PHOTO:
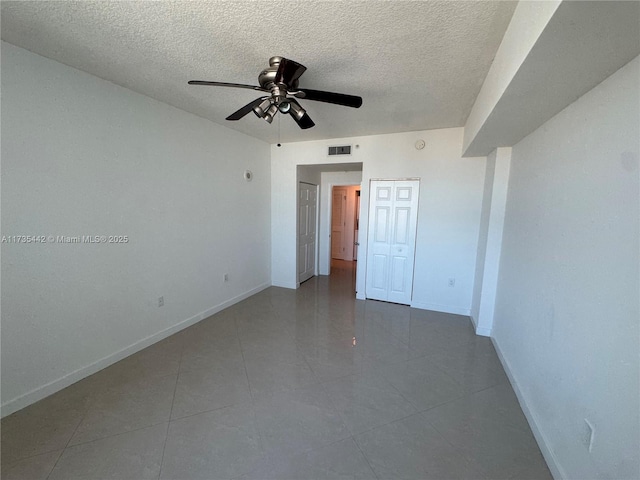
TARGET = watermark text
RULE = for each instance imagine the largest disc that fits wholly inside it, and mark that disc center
(65, 239)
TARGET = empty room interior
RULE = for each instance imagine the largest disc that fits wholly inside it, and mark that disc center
(320, 240)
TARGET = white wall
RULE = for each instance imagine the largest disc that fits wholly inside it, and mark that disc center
(490, 240)
(483, 233)
(309, 175)
(82, 156)
(567, 311)
(448, 217)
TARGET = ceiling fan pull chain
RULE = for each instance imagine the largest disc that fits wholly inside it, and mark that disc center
(279, 144)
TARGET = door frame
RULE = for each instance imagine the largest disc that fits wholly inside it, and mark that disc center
(330, 185)
(315, 266)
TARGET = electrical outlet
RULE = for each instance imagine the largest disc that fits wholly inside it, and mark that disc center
(588, 434)
(160, 301)
(225, 277)
(452, 282)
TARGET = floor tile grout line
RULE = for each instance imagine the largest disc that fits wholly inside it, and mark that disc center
(244, 362)
(177, 419)
(164, 447)
(246, 373)
(366, 459)
(434, 365)
(464, 395)
(20, 459)
(306, 362)
(455, 447)
(173, 401)
(446, 402)
(66, 445)
(116, 389)
(434, 406)
(469, 395)
(54, 465)
(460, 449)
(385, 424)
(310, 449)
(381, 325)
(400, 393)
(116, 434)
(451, 400)
(418, 410)
(333, 405)
(109, 435)
(305, 451)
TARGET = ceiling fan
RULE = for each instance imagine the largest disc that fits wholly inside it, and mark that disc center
(280, 80)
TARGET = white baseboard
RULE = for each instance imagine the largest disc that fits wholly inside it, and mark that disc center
(293, 285)
(547, 453)
(50, 388)
(483, 331)
(441, 308)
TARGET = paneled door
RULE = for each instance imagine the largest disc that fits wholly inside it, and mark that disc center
(393, 217)
(307, 214)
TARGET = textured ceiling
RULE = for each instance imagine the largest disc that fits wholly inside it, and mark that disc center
(417, 64)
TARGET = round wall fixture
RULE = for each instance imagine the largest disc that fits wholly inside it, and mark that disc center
(248, 175)
(420, 144)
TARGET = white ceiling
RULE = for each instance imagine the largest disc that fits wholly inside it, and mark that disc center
(417, 64)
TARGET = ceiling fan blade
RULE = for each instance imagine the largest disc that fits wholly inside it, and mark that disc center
(237, 115)
(223, 84)
(288, 71)
(303, 121)
(329, 97)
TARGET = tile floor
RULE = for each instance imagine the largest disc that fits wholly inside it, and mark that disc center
(306, 384)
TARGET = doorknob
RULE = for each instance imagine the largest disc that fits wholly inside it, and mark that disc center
(356, 243)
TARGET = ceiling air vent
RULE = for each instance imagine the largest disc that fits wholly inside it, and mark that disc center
(340, 150)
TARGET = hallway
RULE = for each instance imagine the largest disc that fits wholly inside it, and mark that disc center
(288, 384)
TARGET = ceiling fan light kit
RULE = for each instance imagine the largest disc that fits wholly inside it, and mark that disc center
(280, 80)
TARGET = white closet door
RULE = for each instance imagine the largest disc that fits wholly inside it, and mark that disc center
(393, 216)
(307, 211)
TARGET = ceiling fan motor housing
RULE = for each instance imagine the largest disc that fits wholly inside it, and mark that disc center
(267, 78)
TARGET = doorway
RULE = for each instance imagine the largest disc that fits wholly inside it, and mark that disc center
(344, 229)
(325, 176)
(344, 215)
